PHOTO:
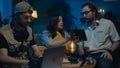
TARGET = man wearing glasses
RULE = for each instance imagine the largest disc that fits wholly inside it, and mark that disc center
(102, 37)
(16, 39)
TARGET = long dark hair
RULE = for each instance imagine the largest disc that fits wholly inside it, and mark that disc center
(93, 8)
(52, 25)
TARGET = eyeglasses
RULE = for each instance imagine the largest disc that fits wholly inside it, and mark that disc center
(85, 12)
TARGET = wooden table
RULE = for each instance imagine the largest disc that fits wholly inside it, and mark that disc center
(69, 65)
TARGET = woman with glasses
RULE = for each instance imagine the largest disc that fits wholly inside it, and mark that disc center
(102, 37)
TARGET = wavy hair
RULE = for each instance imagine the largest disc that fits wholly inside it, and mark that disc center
(93, 8)
(52, 25)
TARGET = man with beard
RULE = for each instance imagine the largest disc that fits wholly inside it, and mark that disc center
(16, 39)
(102, 37)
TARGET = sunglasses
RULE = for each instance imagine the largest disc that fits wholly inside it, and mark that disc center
(85, 12)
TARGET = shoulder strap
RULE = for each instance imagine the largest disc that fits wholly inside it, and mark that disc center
(30, 37)
(7, 32)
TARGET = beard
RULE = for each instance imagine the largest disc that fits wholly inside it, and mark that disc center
(23, 24)
(86, 20)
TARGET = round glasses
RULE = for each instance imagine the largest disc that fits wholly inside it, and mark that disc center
(85, 12)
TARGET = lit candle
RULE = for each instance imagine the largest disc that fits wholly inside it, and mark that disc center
(72, 47)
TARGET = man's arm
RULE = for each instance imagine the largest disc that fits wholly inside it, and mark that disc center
(114, 37)
(4, 57)
(112, 49)
(80, 48)
(115, 46)
(7, 59)
(37, 52)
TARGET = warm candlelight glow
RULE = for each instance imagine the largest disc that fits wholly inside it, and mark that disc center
(102, 11)
(72, 47)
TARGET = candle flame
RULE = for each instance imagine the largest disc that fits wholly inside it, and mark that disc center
(72, 47)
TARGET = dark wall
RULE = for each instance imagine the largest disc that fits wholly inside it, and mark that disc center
(113, 6)
(70, 9)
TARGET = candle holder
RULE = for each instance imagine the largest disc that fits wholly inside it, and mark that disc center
(76, 35)
(73, 59)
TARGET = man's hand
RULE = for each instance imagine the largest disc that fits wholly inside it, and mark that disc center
(107, 54)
